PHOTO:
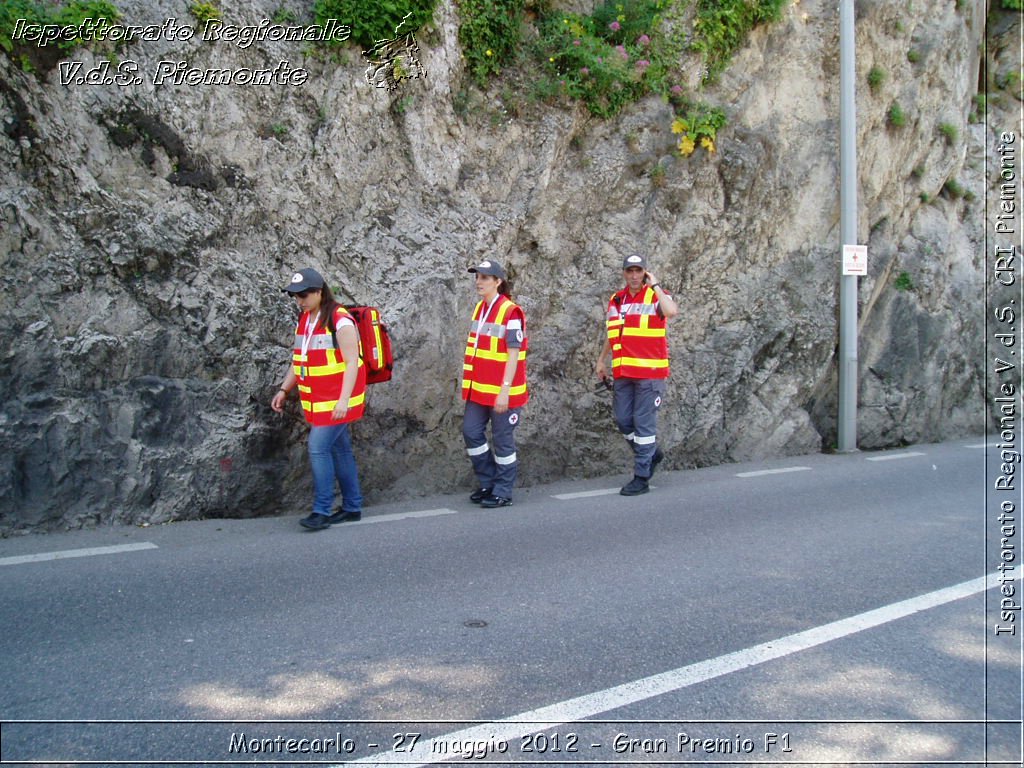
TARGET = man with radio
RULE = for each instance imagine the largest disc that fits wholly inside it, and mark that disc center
(636, 322)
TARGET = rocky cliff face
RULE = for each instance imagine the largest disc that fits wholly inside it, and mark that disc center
(146, 230)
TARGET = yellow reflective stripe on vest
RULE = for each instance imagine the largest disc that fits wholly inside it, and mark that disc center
(490, 389)
(653, 333)
(500, 357)
(325, 406)
(320, 370)
(640, 362)
(481, 351)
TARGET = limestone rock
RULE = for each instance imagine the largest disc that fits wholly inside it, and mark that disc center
(146, 231)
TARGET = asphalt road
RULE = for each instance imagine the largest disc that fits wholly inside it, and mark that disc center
(827, 609)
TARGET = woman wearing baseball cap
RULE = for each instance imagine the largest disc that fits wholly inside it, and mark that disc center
(494, 385)
(331, 380)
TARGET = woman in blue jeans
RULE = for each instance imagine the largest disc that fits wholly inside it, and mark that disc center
(331, 380)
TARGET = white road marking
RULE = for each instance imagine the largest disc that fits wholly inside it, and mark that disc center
(402, 516)
(584, 494)
(981, 445)
(894, 456)
(781, 471)
(591, 704)
(69, 553)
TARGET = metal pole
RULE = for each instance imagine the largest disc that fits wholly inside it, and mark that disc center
(848, 230)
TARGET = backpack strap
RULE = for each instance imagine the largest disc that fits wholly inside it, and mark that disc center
(329, 322)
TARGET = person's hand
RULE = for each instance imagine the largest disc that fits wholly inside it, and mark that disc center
(278, 400)
(340, 411)
(501, 402)
(601, 369)
(649, 278)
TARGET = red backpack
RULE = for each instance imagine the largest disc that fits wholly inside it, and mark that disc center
(374, 342)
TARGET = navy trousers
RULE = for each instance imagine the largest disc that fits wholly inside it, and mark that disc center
(494, 467)
(635, 403)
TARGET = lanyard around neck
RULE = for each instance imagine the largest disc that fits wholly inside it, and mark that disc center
(483, 319)
(307, 337)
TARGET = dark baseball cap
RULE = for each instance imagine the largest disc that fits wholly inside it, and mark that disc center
(489, 267)
(304, 280)
(634, 260)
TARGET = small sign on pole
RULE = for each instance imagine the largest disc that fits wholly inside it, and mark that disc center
(855, 260)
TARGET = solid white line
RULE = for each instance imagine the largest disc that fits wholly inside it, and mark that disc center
(585, 494)
(893, 456)
(591, 704)
(67, 553)
(981, 445)
(402, 516)
(781, 471)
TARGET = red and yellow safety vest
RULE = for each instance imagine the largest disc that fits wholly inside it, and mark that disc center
(487, 354)
(636, 332)
(321, 372)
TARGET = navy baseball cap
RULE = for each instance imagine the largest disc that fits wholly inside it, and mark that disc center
(304, 280)
(489, 267)
(636, 260)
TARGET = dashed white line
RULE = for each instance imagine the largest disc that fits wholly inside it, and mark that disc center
(403, 516)
(69, 553)
(780, 471)
(895, 456)
(584, 494)
(591, 704)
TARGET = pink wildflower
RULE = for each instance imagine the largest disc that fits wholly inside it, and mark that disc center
(576, 42)
(615, 26)
(622, 51)
(584, 71)
(644, 40)
(676, 90)
(643, 64)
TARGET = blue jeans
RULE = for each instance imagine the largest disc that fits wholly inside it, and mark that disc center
(330, 456)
